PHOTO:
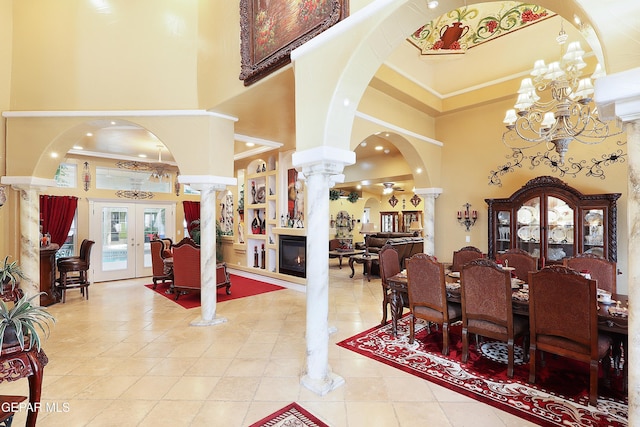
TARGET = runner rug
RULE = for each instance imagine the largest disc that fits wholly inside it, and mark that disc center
(558, 398)
(240, 287)
(292, 415)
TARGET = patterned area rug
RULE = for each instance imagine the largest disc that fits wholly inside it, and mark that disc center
(292, 415)
(240, 287)
(559, 397)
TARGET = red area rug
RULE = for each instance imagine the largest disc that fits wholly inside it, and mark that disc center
(291, 415)
(240, 287)
(558, 398)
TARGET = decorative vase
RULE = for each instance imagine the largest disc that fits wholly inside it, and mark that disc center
(452, 33)
(255, 257)
(10, 337)
(263, 257)
(256, 224)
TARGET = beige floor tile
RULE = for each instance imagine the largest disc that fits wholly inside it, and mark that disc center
(241, 367)
(218, 413)
(364, 414)
(191, 388)
(110, 387)
(123, 412)
(235, 388)
(150, 388)
(172, 413)
(278, 388)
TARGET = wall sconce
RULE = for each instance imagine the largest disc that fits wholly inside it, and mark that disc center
(467, 218)
(86, 176)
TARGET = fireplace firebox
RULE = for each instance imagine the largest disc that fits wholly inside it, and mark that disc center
(293, 255)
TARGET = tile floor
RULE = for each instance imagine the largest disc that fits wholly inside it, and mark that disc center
(127, 357)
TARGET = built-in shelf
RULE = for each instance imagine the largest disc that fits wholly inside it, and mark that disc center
(290, 231)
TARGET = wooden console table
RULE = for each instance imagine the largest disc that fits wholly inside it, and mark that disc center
(367, 261)
(48, 275)
(16, 364)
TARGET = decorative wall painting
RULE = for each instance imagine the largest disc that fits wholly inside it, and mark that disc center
(271, 29)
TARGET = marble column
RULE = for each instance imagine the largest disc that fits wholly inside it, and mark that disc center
(29, 188)
(429, 195)
(318, 166)
(208, 186)
(618, 95)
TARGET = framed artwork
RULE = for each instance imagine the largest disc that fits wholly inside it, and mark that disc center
(271, 29)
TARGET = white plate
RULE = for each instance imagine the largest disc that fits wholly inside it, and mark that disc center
(569, 234)
(524, 233)
(454, 274)
(535, 233)
(552, 216)
(527, 214)
(558, 235)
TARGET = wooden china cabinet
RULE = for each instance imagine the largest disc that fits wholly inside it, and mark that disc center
(551, 220)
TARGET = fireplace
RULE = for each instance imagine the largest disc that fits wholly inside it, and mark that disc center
(293, 255)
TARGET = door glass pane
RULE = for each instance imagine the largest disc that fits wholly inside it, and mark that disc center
(114, 239)
(561, 233)
(528, 227)
(504, 231)
(594, 232)
(154, 227)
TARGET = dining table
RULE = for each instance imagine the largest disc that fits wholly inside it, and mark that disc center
(612, 316)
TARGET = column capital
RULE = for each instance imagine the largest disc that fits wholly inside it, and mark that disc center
(27, 182)
(618, 95)
(200, 182)
(323, 160)
(426, 192)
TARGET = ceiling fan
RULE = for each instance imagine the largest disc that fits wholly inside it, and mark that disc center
(389, 187)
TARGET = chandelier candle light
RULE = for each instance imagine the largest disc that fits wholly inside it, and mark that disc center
(563, 116)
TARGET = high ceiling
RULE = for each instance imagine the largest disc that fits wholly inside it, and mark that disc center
(499, 59)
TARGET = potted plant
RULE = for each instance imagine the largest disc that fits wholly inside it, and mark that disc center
(22, 320)
(10, 275)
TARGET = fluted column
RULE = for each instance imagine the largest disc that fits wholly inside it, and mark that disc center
(618, 95)
(29, 188)
(208, 186)
(318, 166)
(428, 218)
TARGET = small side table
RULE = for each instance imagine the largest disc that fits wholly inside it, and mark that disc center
(367, 261)
(15, 364)
(340, 254)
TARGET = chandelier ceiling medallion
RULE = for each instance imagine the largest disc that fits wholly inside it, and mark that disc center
(554, 107)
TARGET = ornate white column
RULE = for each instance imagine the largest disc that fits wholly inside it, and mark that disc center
(207, 185)
(29, 188)
(429, 195)
(319, 165)
(619, 95)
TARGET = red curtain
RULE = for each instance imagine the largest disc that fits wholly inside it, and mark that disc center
(191, 212)
(56, 213)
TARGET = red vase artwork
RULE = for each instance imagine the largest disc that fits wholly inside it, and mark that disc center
(452, 33)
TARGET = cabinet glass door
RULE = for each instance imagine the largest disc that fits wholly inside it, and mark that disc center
(560, 229)
(528, 227)
(593, 231)
(503, 239)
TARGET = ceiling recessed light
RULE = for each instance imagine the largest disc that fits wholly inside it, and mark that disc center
(577, 20)
(365, 182)
(359, 187)
(89, 134)
(386, 151)
(432, 4)
(77, 147)
(363, 144)
(379, 147)
(113, 123)
(419, 170)
(250, 144)
(144, 156)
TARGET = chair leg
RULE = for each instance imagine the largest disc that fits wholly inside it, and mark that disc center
(412, 328)
(593, 383)
(385, 305)
(532, 364)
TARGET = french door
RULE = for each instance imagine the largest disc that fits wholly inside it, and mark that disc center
(122, 231)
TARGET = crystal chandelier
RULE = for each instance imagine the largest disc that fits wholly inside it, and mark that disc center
(564, 113)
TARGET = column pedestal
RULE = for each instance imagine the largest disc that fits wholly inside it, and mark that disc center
(429, 195)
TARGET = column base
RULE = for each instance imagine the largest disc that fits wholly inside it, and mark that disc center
(201, 322)
(322, 386)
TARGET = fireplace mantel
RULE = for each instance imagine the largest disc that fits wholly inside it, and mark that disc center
(290, 231)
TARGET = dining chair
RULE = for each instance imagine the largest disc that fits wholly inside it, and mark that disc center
(563, 313)
(428, 296)
(519, 259)
(600, 269)
(389, 266)
(464, 255)
(487, 308)
(158, 250)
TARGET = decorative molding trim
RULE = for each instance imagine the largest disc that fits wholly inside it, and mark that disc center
(398, 129)
(117, 113)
